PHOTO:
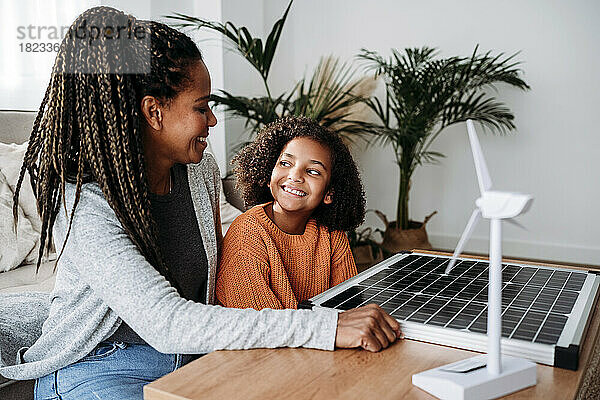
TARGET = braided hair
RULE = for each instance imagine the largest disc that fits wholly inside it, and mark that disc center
(255, 162)
(89, 125)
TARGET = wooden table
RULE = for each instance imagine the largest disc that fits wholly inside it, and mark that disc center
(348, 374)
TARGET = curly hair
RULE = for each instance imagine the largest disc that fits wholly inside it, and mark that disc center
(255, 162)
(89, 125)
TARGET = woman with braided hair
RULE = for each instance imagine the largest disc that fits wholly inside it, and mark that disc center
(117, 163)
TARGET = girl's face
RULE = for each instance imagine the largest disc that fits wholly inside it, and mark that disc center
(184, 122)
(300, 179)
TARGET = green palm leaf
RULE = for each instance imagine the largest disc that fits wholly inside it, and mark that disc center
(250, 47)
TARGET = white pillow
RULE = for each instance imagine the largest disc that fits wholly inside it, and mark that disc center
(11, 159)
(15, 246)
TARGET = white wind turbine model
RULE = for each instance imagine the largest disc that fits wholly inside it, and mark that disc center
(467, 379)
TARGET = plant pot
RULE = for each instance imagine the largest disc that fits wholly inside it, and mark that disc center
(396, 240)
(365, 257)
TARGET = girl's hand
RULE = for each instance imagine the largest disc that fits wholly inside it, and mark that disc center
(368, 327)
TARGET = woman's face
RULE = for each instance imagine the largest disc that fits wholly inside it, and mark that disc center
(184, 121)
(300, 179)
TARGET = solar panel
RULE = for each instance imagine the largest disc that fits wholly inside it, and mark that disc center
(545, 310)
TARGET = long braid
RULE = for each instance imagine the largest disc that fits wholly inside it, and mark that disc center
(88, 128)
(126, 176)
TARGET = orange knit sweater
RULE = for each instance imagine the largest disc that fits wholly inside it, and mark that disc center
(264, 267)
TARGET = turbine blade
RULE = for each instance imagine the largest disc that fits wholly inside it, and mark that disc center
(517, 224)
(483, 176)
(464, 238)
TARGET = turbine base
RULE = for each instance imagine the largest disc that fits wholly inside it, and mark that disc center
(517, 374)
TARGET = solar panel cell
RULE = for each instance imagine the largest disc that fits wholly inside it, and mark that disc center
(509, 272)
(540, 277)
(480, 324)
(575, 281)
(565, 302)
(510, 320)
(466, 316)
(447, 312)
(524, 275)
(551, 329)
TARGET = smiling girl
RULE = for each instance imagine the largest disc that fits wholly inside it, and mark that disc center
(290, 246)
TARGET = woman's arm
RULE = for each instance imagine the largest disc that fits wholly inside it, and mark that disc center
(111, 265)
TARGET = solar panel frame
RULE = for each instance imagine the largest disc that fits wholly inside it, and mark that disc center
(452, 310)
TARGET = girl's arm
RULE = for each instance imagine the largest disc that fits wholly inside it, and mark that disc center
(342, 261)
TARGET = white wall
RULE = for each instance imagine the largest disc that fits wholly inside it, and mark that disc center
(553, 154)
(240, 78)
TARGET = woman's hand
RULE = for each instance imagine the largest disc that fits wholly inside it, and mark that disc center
(368, 327)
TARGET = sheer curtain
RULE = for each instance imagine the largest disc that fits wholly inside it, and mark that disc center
(30, 32)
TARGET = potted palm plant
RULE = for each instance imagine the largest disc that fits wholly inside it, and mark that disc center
(424, 95)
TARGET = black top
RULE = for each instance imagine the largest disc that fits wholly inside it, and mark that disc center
(180, 243)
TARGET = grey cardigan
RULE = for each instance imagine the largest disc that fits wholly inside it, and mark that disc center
(102, 280)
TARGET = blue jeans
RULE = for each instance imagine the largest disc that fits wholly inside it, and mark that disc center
(113, 370)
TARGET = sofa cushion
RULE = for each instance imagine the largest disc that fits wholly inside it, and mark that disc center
(24, 279)
(15, 126)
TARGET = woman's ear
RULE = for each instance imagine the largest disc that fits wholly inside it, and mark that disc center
(328, 199)
(152, 112)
